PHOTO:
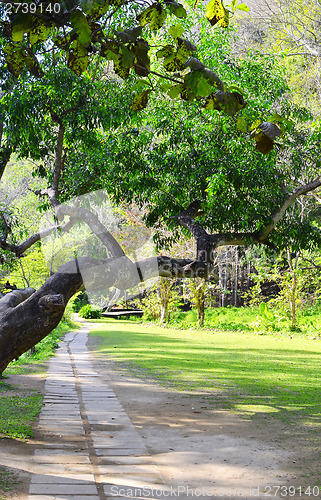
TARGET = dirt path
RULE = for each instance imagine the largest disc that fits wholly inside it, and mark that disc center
(200, 449)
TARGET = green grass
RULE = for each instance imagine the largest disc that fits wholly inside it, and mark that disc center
(247, 319)
(44, 350)
(253, 375)
(222, 318)
(243, 319)
(18, 411)
(8, 479)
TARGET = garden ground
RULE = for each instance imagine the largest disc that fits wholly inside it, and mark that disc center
(193, 441)
(205, 443)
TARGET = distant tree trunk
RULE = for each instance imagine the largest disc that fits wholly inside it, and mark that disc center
(199, 290)
(242, 285)
(248, 276)
(236, 277)
(225, 284)
(293, 288)
(200, 304)
(220, 284)
(165, 288)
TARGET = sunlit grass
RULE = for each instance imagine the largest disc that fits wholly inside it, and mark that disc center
(251, 374)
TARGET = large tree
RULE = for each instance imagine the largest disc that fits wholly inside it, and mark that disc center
(188, 158)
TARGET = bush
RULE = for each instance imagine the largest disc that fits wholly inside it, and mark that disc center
(78, 301)
(89, 312)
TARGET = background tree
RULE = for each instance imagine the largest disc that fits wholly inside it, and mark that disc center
(292, 30)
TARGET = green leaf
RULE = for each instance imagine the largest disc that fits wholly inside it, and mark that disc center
(263, 308)
(120, 69)
(129, 35)
(140, 50)
(242, 6)
(216, 13)
(241, 124)
(110, 50)
(127, 57)
(229, 102)
(78, 58)
(154, 15)
(166, 51)
(80, 24)
(197, 83)
(39, 31)
(174, 91)
(97, 10)
(180, 12)
(262, 143)
(176, 9)
(176, 31)
(186, 45)
(276, 118)
(140, 84)
(33, 64)
(15, 58)
(174, 60)
(21, 24)
(140, 101)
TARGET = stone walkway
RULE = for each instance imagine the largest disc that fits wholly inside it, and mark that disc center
(91, 450)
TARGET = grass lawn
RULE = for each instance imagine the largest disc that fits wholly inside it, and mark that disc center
(253, 375)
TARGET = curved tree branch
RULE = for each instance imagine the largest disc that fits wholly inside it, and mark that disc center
(82, 214)
(18, 250)
(277, 216)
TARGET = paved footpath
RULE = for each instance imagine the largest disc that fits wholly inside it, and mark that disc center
(90, 450)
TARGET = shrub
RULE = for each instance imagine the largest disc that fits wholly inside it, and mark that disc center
(78, 301)
(89, 312)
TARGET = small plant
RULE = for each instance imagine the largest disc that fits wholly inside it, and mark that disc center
(150, 306)
(266, 319)
(89, 312)
(162, 300)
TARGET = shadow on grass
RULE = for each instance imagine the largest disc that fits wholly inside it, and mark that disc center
(256, 376)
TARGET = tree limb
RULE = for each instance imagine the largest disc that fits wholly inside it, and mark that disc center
(82, 214)
(58, 166)
(288, 201)
(18, 250)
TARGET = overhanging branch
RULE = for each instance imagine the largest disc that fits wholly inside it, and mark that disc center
(277, 216)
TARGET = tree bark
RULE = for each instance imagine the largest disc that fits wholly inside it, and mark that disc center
(24, 325)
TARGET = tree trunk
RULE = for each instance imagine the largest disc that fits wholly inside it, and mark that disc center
(201, 311)
(164, 311)
(236, 277)
(23, 326)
